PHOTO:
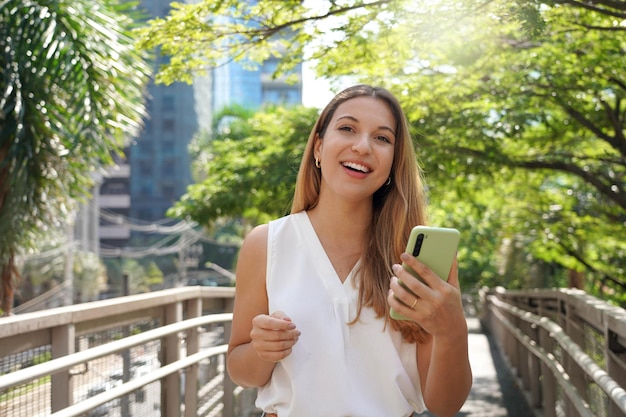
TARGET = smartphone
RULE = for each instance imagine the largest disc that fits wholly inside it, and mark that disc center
(435, 247)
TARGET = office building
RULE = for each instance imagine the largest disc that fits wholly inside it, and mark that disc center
(158, 169)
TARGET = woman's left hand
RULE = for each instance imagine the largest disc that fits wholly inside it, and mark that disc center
(438, 303)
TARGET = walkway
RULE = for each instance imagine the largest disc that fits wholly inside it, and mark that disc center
(494, 391)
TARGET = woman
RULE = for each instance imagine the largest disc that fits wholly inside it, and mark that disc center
(311, 325)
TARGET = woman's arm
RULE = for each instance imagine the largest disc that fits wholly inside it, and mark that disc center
(443, 360)
(257, 339)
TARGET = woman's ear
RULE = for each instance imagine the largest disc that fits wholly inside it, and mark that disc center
(317, 148)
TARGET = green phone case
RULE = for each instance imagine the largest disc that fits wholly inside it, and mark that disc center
(437, 251)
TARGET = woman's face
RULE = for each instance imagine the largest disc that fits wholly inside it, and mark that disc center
(356, 152)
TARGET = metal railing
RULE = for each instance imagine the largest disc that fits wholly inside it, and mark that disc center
(161, 353)
(567, 348)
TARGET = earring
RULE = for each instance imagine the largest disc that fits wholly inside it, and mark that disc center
(388, 183)
(317, 163)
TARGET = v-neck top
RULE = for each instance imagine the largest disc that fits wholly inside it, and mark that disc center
(336, 369)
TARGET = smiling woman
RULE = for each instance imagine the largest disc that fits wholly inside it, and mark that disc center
(314, 288)
(358, 144)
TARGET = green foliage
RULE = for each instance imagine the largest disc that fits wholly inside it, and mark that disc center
(142, 276)
(46, 266)
(89, 276)
(137, 282)
(550, 109)
(71, 91)
(250, 175)
(42, 358)
(518, 109)
(154, 276)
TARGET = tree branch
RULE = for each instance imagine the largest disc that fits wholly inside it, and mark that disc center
(590, 267)
(618, 126)
(592, 178)
(272, 30)
(619, 82)
(614, 141)
(604, 28)
(618, 6)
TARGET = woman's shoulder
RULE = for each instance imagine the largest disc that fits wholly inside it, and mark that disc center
(257, 236)
(251, 259)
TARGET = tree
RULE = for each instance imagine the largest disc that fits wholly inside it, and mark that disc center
(203, 35)
(548, 106)
(90, 276)
(519, 100)
(45, 267)
(143, 276)
(249, 169)
(71, 92)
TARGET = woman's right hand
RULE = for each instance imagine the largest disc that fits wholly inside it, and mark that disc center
(273, 336)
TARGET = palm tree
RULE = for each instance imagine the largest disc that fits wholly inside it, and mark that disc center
(71, 94)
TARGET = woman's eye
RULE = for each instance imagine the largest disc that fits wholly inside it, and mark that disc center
(346, 128)
(384, 139)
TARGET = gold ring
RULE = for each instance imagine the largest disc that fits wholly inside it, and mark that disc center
(413, 305)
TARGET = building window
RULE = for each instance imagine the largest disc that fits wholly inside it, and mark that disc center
(168, 147)
(146, 190)
(169, 103)
(145, 214)
(114, 188)
(269, 66)
(145, 146)
(169, 125)
(145, 168)
(169, 168)
(168, 191)
(147, 126)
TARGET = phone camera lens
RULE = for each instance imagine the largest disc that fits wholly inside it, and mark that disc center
(418, 244)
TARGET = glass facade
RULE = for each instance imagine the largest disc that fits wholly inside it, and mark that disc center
(159, 161)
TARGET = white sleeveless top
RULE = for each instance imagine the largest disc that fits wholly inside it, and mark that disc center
(335, 369)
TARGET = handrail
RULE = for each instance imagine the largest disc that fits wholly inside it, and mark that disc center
(130, 386)
(599, 375)
(91, 347)
(565, 346)
(66, 362)
(16, 324)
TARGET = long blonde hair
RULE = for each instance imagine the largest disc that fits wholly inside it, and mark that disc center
(397, 207)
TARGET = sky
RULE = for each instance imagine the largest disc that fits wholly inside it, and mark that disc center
(316, 92)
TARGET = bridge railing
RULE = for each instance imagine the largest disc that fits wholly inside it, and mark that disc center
(161, 353)
(567, 348)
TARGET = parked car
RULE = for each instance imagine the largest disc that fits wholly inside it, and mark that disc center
(103, 409)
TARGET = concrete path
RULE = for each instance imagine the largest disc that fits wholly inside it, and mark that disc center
(495, 392)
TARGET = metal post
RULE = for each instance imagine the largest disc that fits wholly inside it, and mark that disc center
(194, 309)
(68, 273)
(61, 382)
(229, 385)
(171, 385)
(125, 400)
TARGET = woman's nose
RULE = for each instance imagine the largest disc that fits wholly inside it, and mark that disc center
(362, 144)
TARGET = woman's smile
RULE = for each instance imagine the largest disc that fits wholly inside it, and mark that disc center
(356, 170)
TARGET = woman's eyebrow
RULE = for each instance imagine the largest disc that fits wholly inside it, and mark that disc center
(347, 116)
(357, 120)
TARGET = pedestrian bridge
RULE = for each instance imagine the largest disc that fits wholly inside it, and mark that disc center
(533, 353)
